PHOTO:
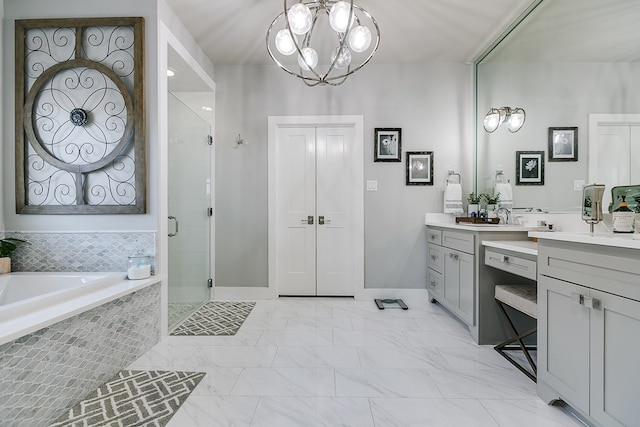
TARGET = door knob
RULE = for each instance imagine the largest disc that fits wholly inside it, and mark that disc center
(308, 221)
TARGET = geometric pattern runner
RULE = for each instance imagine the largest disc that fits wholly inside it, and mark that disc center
(133, 398)
(216, 318)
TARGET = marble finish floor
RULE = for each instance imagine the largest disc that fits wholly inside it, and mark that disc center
(340, 362)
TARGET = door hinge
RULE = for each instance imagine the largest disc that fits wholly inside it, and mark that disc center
(210, 283)
(209, 139)
(209, 211)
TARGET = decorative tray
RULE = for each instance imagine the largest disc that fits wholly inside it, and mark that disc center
(476, 220)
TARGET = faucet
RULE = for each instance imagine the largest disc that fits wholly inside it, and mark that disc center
(503, 214)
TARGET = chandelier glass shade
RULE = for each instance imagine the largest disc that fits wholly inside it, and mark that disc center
(513, 118)
(322, 42)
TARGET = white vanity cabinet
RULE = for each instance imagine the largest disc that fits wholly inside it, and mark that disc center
(451, 271)
(458, 279)
(589, 330)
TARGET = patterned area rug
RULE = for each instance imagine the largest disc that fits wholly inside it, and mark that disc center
(216, 318)
(133, 398)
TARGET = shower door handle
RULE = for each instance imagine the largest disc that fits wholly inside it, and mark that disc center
(177, 224)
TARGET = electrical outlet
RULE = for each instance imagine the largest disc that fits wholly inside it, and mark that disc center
(372, 185)
(578, 184)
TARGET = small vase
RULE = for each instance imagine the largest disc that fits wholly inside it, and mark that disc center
(473, 208)
(491, 211)
(5, 265)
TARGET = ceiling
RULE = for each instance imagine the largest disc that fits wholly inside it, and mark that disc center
(412, 31)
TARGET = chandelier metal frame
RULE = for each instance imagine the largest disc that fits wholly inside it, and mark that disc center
(333, 76)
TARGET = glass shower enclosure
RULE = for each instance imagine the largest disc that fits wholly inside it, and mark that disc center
(190, 200)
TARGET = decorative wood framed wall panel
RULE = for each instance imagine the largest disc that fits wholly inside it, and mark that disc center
(80, 116)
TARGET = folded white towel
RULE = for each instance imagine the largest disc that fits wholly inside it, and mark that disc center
(453, 198)
(505, 191)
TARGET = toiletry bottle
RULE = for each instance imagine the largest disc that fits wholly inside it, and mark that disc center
(623, 218)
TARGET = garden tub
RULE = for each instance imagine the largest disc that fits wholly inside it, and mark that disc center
(31, 301)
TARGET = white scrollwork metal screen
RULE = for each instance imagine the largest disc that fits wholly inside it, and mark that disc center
(80, 116)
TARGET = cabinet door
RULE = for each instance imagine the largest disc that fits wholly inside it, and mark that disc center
(458, 283)
(615, 377)
(451, 289)
(563, 340)
(466, 303)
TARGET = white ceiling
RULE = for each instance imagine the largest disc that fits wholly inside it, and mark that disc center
(412, 31)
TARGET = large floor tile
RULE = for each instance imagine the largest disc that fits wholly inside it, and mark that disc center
(528, 413)
(312, 412)
(316, 357)
(385, 383)
(296, 337)
(215, 411)
(401, 357)
(484, 383)
(430, 413)
(233, 356)
(289, 382)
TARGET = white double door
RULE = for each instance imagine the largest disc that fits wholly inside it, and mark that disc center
(315, 212)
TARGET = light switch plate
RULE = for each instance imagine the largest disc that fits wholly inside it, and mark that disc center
(372, 185)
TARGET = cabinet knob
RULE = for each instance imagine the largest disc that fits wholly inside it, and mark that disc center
(433, 257)
(577, 298)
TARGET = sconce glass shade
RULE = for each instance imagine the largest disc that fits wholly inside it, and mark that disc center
(514, 118)
(493, 119)
(310, 57)
(339, 16)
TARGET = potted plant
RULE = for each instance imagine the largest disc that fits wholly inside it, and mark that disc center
(491, 201)
(474, 203)
(7, 246)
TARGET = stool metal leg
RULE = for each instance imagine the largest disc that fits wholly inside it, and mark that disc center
(500, 348)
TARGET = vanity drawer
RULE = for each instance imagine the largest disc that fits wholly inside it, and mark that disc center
(434, 236)
(460, 241)
(513, 264)
(434, 283)
(434, 257)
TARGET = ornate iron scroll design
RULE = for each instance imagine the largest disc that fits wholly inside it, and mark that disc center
(80, 116)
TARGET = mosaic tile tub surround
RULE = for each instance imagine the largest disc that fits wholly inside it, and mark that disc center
(43, 373)
(80, 251)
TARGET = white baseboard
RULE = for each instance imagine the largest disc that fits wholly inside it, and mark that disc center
(243, 294)
(255, 293)
(383, 293)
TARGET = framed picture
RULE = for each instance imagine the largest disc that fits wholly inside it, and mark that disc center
(419, 167)
(563, 144)
(529, 167)
(387, 145)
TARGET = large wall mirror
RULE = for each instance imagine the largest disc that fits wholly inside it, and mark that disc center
(565, 60)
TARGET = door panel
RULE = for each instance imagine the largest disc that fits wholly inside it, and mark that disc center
(315, 257)
(335, 236)
(296, 203)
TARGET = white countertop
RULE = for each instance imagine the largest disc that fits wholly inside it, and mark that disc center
(479, 227)
(528, 247)
(630, 241)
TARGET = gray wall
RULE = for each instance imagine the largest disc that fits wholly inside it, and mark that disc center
(554, 94)
(432, 103)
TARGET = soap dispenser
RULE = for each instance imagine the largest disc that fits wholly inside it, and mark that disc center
(623, 218)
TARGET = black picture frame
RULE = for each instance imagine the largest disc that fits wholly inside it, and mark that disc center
(419, 168)
(563, 144)
(387, 145)
(529, 167)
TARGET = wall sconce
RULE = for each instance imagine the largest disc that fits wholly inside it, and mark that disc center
(514, 118)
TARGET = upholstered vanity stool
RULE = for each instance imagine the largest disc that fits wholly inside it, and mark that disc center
(524, 299)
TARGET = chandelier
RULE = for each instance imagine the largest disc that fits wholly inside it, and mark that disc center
(342, 40)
